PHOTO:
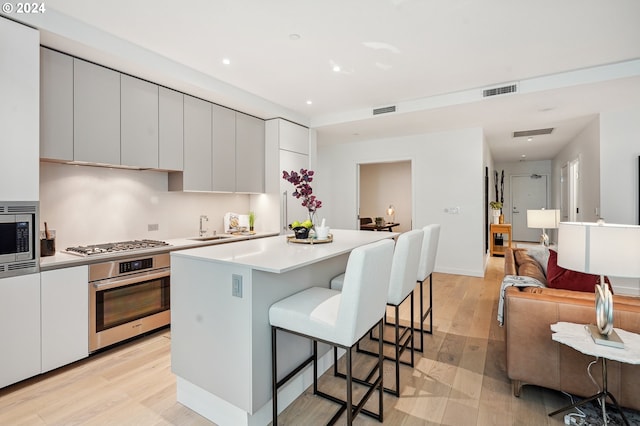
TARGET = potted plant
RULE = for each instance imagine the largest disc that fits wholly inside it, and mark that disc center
(252, 219)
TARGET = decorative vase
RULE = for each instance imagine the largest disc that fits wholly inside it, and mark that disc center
(312, 218)
(496, 216)
(501, 218)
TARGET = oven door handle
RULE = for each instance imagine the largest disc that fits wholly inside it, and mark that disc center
(138, 278)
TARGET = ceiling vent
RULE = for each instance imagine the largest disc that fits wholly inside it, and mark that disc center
(536, 132)
(384, 110)
(502, 90)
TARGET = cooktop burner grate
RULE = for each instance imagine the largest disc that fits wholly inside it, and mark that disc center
(115, 247)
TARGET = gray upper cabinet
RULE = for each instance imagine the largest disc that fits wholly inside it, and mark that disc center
(96, 112)
(171, 132)
(56, 105)
(197, 145)
(223, 166)
(250, 154)
(139, 121)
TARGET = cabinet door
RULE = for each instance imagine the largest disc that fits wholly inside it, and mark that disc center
(224, 149)
(170, 134)
(291, 207)
(249, 154)
(294, 137)
(19, 328)
(197, 145)
(139, 121)
(96, 113)
(19, 111)
(65, 316)
(56, 105)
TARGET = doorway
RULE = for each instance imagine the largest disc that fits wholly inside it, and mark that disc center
(528, 192)
(381, 185)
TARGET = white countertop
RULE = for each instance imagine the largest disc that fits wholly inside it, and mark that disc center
(66, 260)
(276, 254)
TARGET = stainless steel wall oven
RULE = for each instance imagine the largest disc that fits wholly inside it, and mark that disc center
(128, 298)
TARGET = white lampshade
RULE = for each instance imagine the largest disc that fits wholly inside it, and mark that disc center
(600, 248)
(543, 219)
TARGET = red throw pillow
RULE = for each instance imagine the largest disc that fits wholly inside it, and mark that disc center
(558, 277)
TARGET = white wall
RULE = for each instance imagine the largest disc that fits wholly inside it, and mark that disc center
(382, 184)
(619, 151)
(586, 147)
(447, 171)
(89, 205)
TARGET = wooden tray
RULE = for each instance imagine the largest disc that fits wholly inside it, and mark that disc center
(293, 239)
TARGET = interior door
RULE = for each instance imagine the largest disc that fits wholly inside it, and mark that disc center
(527, 193)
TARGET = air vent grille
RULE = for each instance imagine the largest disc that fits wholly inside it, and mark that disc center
(384, 110)
(503, 90)
(535, 132)
(21, 265)
(21, 209)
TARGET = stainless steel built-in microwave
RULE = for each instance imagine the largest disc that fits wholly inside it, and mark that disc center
(19, 242)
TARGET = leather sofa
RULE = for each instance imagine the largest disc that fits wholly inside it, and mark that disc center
(534, 358)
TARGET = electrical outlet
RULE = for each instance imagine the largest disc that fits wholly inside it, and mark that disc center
(152, 227)
(236, 285)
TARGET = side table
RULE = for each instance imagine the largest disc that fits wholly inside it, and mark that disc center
(501, 228)
(578, 337)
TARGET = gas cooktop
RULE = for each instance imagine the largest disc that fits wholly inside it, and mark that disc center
(115, 247)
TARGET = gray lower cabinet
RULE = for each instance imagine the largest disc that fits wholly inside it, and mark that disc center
(96, 112)
(65, 316)
(19, 328)
(223, 166)
(139, 123)
(197, 147)
(56, 105)
(171, 130)
(250, 154)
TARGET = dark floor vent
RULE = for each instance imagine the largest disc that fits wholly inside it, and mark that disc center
(535, 132)
(495, 91)
(384, 110)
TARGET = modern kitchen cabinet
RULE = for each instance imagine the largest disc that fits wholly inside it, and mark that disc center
(96, 113)
(65, 316)
(19, 328)
(197, 148)
(171, 129)
(139, 123)
(56, 105)
(250, 154)
(223, 143)
(293, 137)
(19, 111)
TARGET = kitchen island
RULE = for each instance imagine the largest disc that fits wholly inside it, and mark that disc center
(220, 333)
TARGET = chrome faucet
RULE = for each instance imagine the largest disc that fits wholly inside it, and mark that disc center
(203, 218)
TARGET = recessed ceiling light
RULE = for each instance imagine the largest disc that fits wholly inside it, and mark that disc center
(336, 68)
(294, 36)
(309, 102)
(226, 61)
(529, 139)
(524, 156)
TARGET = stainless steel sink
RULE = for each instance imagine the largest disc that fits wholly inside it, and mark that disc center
(211, 238)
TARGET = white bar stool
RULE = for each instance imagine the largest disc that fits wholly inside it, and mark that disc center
(339, 319)
(425, 270)
(404, 269)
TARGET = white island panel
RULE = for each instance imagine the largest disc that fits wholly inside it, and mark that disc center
(221, 344)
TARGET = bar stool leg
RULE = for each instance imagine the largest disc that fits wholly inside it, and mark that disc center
(274, 381)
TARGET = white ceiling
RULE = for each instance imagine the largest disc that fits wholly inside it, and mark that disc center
(430, 58)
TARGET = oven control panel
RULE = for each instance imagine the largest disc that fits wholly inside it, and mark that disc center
(136, 265)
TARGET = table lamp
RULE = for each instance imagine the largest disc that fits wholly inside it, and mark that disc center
(391, 212)
(601, 249)
(544, 219)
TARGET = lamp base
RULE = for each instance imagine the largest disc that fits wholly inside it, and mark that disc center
(612, 340)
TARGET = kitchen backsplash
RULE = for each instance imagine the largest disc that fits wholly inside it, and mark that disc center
(88, 205)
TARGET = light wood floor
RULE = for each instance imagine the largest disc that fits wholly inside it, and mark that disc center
(459, 380)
